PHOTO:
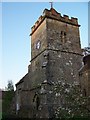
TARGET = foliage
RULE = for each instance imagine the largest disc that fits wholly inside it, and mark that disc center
(0, 109)
(72, 102)
(10, 86)
(7, 97)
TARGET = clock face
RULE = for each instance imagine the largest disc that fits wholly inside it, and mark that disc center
(38, 44)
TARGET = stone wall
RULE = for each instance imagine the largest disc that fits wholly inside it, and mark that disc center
(63, 36)
(64, 66)
(38, 36)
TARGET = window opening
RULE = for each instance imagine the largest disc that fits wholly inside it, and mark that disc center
(36, 99)
(63, 37)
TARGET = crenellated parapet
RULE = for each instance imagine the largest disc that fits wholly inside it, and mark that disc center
(53, 14)
(37, 23)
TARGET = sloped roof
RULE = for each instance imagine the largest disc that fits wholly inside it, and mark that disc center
(22, 80)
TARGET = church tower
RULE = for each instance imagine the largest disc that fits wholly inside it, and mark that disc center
(55, 56)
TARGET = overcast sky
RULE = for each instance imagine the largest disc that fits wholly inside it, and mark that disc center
(17, 20)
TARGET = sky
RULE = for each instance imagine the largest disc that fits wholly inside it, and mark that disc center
(89, 24)
(17, 20)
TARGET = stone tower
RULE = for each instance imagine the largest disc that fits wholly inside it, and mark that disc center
(56, 56)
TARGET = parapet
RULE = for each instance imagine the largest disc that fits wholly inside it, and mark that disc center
(53, 14)
(37, 23)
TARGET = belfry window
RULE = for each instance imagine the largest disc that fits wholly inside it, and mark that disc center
(63, 37)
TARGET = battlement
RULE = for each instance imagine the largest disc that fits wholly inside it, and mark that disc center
(53, 14)
(37, 23)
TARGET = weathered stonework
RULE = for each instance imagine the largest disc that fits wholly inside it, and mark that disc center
(56, 56)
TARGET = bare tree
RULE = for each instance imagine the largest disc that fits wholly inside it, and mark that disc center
(86, 51)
